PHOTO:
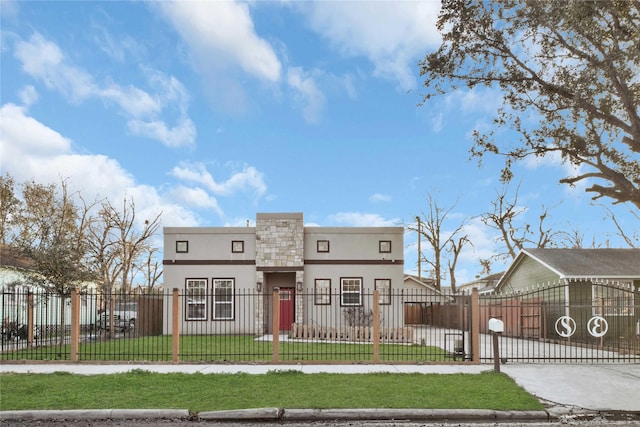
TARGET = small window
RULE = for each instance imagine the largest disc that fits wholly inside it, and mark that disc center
(182, 246)
(384, 246)
(323, 245)
(223, 303)
(611, 301)
(237, 246)
(351, 291)
(322, 292)
(383, 286)
(285, 295)
(196, 299)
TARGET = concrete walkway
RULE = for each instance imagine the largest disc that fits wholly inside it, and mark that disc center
(566, 390)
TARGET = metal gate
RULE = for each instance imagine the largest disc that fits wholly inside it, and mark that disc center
(580, 321)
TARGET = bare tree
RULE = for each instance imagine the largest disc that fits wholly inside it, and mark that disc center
(151, 269)
(8, 207)
(442, 244)
(455, 248)
(52, 230)
(514, 234)
(129, 242)
(630, 235)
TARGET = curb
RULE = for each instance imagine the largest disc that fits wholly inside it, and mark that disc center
(411, 414)
(280, 414)
(96, 414)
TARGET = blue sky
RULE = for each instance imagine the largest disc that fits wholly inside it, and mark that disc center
(212, 111)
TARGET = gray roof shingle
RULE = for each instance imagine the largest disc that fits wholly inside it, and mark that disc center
(590, 262)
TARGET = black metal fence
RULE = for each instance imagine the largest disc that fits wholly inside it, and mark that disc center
(214, 328)
(574, 322)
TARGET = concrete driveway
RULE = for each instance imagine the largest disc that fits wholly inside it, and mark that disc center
(601, 387)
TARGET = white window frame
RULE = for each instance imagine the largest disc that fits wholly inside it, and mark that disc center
(196, 299)
(348, 287)
(383, 286)
(229, 301)
(611, 302)
(322, 292)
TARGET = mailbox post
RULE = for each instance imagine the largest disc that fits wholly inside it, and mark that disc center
(496, 327)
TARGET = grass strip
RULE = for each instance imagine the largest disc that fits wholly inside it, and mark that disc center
(141, 389)
(227, 348)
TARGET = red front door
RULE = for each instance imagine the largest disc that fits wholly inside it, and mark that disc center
(287, 311)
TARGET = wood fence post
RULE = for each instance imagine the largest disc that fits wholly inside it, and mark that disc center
(30, 317)
(75, 325)
(376, 326)
(175, 325)
(275, 326)
(475, 326)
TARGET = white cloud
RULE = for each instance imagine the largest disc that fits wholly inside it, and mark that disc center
(196, 197)
(480, 99)
(358, 219)
(21, 133)
(555, 160)
(221, 34)
(44, 61)
(28, 95)
(185, 130)
(392, 35)
(249, 179)
(308, 93)
(33, 151)
(437, 122)
(377, 197)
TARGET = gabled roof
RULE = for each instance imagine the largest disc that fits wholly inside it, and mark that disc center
(605, 263)
(484, 284)
(429, 287)
(423, 281)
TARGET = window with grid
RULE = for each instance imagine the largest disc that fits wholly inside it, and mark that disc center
(196, 293)
(608, 301)
(351, 291)
(322, 292)
(383, 286)
(223, 303)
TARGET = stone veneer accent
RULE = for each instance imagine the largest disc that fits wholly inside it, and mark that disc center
(279, 245)
(280, 240)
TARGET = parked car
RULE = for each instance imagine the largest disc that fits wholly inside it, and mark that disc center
(124, 317)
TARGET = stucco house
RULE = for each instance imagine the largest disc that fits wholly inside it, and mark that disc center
(228, 274)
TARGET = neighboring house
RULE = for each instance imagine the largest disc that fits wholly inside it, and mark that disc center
(486, 284)
(15, 286)
(534, 267)
(421, 300)
(548, 286)
(226, 272)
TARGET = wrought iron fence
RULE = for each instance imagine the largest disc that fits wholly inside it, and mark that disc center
(573, 321)
(581, 322)
(249, 326)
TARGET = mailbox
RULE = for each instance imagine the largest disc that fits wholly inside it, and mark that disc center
(496, 325)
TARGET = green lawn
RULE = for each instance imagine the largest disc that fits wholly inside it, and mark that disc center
(232, 348)
(286, 389)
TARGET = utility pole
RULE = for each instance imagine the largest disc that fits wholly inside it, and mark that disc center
(419, 252)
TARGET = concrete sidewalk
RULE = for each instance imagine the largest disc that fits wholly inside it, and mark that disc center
(566, 390)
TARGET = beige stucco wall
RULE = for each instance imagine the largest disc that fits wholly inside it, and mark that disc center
(280, 249)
